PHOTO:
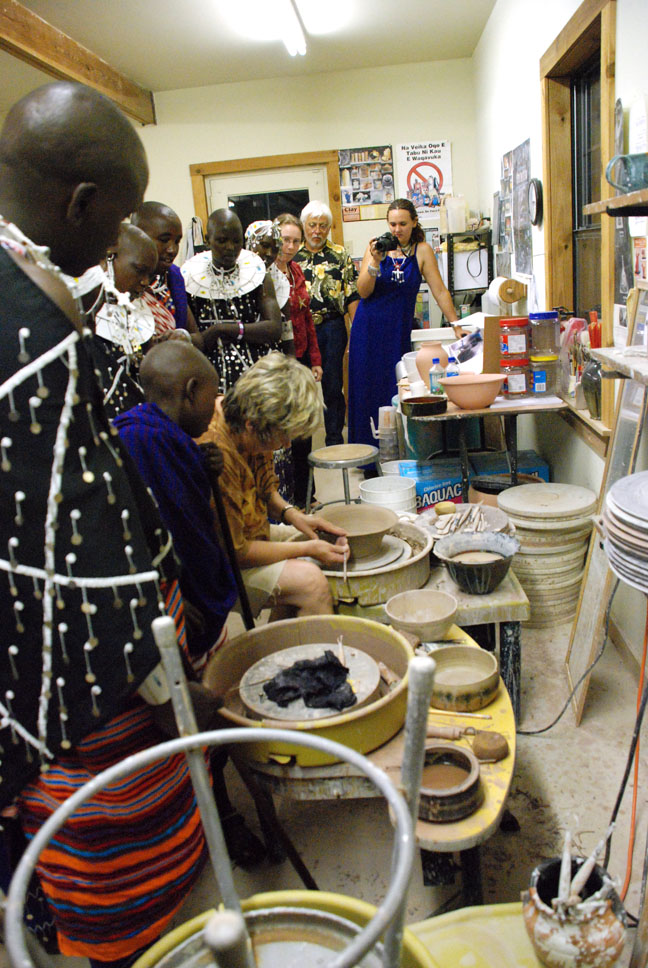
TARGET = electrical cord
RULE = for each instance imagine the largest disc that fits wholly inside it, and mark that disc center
(536, 732)
(635, 784)
(631, 754)
(478, 252)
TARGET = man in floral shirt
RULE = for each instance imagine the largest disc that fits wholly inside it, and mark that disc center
(331, 282)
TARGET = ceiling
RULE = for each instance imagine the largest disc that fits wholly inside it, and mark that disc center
(168, 44)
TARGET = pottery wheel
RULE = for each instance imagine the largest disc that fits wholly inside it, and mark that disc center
(364, 676)
(392, 549)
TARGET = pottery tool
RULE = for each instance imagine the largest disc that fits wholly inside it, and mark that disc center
(583, 873)
(340, 649)
(452, 712)
(448, 732)
(564, 880)
(388, 675)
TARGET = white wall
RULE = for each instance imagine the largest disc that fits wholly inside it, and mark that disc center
(345, 109)
(508, 110)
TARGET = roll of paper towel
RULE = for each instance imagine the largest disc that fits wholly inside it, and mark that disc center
(503, 290)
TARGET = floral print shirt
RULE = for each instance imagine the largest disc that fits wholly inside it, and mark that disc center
(330, 280)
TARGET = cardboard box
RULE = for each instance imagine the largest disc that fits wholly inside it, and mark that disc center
(489, 462)
(436, 480)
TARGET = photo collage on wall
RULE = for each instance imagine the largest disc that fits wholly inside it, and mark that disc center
(512, 233)
(366, 180)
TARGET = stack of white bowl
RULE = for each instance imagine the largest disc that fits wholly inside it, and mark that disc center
(390, 491)
(625, 518)
(553, 523)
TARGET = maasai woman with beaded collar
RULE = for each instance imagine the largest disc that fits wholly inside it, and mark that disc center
(233, 300)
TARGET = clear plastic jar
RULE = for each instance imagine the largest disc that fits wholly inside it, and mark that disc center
(514, 337)
(544, 375)
(545, 334)
(516, 375)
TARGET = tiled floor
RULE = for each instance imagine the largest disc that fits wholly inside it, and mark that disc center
(566, 777)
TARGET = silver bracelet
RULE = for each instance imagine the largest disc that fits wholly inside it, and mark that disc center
(184, 333)
(373, 271)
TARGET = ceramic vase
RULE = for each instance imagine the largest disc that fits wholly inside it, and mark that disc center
(584, 936)
(591, 383)
(426, 354)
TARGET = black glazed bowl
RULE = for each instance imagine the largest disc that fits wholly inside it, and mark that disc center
(477, 578)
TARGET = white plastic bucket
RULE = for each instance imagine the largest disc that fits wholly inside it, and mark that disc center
(397, 493)
(390, 467)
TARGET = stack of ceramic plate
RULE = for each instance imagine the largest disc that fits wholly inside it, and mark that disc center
(625, 518)
(553, 523)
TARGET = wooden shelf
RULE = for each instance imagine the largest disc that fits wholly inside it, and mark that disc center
(634, 203)
(631, 365)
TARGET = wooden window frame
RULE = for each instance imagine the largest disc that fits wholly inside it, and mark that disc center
(592, 28)
(328, 159)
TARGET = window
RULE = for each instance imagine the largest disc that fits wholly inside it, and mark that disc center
(586, 187)
(577, 74)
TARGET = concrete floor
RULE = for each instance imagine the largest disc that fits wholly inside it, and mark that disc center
(567, 777)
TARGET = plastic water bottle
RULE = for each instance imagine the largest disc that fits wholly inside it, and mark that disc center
(452, 369)
(436, 373)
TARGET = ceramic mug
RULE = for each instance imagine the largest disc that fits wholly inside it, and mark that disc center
(632, 172)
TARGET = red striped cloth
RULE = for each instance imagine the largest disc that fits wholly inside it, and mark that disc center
(124, 862)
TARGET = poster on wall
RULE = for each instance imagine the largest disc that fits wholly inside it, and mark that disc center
(505, 228)
(424, 173)
(366, 179)
(521, 175)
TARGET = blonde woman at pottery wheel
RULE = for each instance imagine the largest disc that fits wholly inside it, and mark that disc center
(271, 404)
(388, 283)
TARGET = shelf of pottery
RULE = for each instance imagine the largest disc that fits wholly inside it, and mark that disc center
(625, 514)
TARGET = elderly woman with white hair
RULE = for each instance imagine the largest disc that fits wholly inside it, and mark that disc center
(331, 282)
(272, 403)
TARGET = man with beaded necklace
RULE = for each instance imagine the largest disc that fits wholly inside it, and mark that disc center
(88, 564)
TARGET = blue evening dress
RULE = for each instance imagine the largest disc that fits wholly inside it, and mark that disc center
(380, 335)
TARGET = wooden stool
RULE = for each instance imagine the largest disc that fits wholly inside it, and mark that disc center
(341, 457)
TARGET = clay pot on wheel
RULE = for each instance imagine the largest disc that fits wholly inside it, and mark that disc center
(427, 353)
(585, 935)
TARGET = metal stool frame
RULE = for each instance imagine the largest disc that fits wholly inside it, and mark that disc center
(343, 464)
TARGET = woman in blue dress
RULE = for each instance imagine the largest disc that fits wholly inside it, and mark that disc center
(388, 284)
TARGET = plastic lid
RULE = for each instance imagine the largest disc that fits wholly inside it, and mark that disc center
(514, 321)
(549, 358)
(540, 316)
(435, 359)
(514, 362)
(452, 359)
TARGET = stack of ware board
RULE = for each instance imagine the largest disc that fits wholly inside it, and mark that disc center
(625, 519)
(553, 523)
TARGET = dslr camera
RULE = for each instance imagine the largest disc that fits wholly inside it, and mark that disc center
(386, 242)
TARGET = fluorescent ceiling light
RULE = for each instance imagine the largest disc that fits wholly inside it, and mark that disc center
(267, 21)
(292, 33)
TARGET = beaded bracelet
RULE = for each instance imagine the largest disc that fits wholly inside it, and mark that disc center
(241, 332)
(373, 271)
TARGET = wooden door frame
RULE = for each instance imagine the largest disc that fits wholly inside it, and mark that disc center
(592, 28)
(327, 159)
